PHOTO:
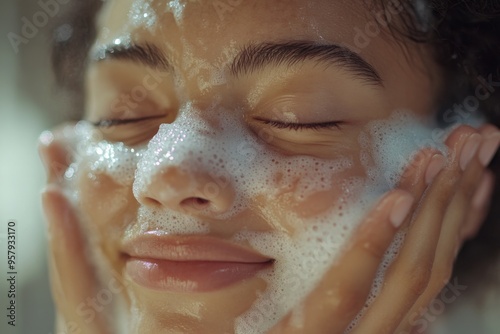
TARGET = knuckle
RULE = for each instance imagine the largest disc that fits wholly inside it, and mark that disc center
(459, 133)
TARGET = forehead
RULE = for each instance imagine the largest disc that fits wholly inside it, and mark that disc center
(211, 27)
(201, 37)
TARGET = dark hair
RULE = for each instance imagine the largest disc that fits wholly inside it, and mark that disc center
(464, 36)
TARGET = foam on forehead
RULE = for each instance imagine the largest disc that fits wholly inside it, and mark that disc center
(145, 12)
(142, 13)
(176, 7)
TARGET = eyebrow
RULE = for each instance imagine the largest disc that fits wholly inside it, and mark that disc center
(253, 57)
(290, 53)
(146, 54)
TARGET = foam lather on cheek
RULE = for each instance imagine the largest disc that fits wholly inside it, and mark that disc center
(394, 143)
(116, 160)
(304, 258)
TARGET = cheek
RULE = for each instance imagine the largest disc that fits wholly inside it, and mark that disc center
(102, 198)
(320, 190)
(106, 208)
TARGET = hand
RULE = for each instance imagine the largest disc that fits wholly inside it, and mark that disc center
(442, 201)
(72, 276)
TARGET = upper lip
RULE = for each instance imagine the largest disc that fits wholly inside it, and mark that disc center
(189, 248)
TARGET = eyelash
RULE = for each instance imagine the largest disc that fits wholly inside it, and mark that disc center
(303, 126)
(107, 123)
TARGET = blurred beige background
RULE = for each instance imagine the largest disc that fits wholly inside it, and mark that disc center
(27, 108)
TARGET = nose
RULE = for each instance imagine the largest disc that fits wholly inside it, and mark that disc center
(183, 170)
(187, 190)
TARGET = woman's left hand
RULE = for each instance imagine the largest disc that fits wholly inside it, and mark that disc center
(448, 211)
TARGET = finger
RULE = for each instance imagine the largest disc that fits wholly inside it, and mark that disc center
(479, 206)
(421, 171)
(414, 263)
(456, 218)
(489, 147)
(480, 200)
(467, 143)
(73, 281)
(457, 215)
(447, 247)
(56, 149)
(347, 284)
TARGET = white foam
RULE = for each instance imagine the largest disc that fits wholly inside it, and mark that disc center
(176, 7)
(142, 13)
(114, 159)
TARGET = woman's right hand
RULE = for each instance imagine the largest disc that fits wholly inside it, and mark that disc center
(441, 201)
(72, 276)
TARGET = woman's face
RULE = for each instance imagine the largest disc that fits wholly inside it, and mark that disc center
(228, 149)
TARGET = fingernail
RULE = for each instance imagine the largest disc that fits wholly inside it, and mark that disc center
(436, 164)
(482, 192)
(489, 148)
(400, 210)
(469, 150)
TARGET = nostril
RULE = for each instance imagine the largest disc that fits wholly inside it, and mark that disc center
(201, 201)
(196, 202)
(151, 202)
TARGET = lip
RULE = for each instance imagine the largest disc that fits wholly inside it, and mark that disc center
(189, 264)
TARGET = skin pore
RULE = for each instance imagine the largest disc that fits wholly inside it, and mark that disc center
(284, 75)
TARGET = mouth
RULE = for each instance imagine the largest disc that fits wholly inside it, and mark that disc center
(190, 264)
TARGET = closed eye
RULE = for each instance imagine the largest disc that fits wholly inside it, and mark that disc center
(107, 123)
(302, 126)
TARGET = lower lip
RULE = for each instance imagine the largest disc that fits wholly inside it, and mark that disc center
(190, 276)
